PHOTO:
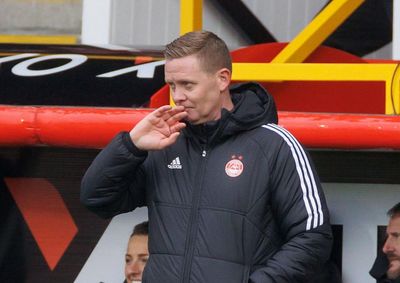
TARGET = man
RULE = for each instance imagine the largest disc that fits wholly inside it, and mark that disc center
(386, 268)
(137, 253)
(232, 197)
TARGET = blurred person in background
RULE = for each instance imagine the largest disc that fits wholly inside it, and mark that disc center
(386, 268)
(137, 253)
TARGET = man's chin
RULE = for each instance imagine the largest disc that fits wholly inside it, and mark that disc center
(133, 280)
(394, 269)
(191, 121)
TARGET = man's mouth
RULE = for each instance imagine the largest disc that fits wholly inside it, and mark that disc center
(393, 258)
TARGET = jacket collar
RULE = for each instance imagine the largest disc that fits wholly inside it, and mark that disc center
(253, 107)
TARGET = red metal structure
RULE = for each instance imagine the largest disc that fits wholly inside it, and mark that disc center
(81, 127)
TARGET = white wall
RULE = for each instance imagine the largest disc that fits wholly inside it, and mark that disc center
(285, 18)
(40, 17)
(156, 22)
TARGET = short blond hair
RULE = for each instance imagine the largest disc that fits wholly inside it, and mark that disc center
(211, 50)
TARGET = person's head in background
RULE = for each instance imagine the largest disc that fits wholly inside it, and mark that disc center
(137, 253)
(392, 244)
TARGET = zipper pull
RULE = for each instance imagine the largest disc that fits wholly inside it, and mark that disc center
(204, 153)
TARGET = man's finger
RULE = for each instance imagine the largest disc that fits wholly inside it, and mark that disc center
(159, 112)
(177, 127)
(169, 141)
(176, 118)
(172, 111)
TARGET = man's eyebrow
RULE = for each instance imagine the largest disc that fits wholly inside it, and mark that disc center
(393, 234)
(183, 81)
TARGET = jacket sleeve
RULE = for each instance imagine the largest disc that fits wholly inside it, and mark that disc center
(301, 215)
(114, 183)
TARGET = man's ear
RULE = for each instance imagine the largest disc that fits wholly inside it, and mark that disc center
(224, 79)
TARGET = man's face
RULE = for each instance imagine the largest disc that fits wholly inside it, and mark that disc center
(198, 91)
(392, 247)
(136, 258)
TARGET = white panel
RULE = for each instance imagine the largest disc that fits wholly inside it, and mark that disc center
(396, 30)
(121, 26)
(96, 21)
(313, 7)
(263, 10)
(145, 22)
(280, 24)
(221, 25)
(297, 18)
(141, 21)
(40, 17)
(156, 22)
(285, 18)
(173, 26)
(158, 18)
(384, 52)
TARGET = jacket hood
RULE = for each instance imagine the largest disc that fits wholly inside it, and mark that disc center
(379, 268)
(253, 107)
(381, 264)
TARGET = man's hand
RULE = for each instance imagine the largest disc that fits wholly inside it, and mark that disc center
(159, 129)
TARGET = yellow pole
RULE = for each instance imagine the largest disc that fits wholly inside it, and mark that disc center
(191, 15)
(326, 22)
(388, 73)
(393, 93)
(38, 39)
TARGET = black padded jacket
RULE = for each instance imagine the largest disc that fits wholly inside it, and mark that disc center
(236, 200)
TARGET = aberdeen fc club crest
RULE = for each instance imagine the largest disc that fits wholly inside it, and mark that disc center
(234, 167)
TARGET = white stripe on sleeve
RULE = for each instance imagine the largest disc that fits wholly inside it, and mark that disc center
(306, 176)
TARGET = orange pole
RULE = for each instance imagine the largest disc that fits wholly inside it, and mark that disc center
(81, 127)
(88, 127)
(343, 131)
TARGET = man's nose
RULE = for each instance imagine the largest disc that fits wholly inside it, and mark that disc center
(178, 95)
(387, 247)
(134, 267)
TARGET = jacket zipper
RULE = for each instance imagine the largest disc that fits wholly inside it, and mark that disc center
(193, 224)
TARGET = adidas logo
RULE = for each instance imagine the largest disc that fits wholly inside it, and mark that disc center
(175, 164)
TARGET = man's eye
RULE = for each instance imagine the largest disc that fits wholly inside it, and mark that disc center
(188, 86)
(127, 260)
(143, 260)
